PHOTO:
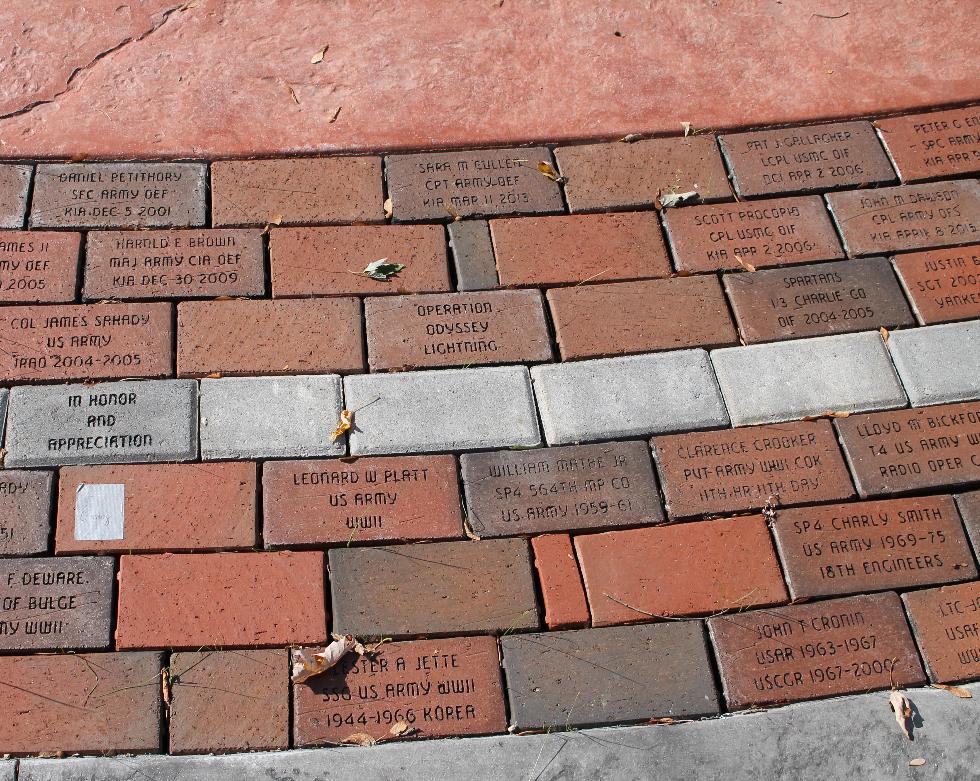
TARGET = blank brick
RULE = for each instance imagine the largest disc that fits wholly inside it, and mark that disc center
(14, 183)
(946, 622)
(942, 284)
(38, 266)
(565, 606)
(935, 144)
(938, 364)
(969, 504)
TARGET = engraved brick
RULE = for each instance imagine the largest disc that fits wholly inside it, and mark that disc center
(14, 183)
(156, 507)
(80, 703)
(918, 216)
(434, 588)
(359, 500)
(54, 604)
(440, 688)
(201, 263)
(738, 469)
(611, 675)
(801, 652)
(473, 258)
(872, 546)
(304, 336)
(942, 284)
(38, 266)
(911, 449)
(457, 329)
(938, 364)
(777, 232)
(565, 606)
(969, 505)
(107, 423)
(188, 600)
(946, 622)
(632, 576)
(442, 185)
(25, 512)
(328, 261)
(119, 195)
(323, 190)
(827, 298)
(935, 144)
(86, 341)
(622, 176)
(805, 159)
(579, 248)
(224, 701)
(557, 488)
(595, 321)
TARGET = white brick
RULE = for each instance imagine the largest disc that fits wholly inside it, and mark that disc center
(938, 364)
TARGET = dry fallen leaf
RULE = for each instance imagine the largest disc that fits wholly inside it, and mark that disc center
(359, 739)
(276, 220)
(744, 264)
(917, 762)
(389, 208)
(671, 200)
(382, 270)
(213, 376)
(548, 171)
(902, 708)
(468, 530)
(318, 57)
(959, 691)
(453, 213)
(662, 720)
(687, 128)
(306, 664)
(346, 421)
(884, 333)
(629, 138)
(400, 728)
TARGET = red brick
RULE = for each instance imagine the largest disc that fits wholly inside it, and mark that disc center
(595, 321)
(297, 191)
(357, 500)
(168, 507)
(223, 701)
(25, 512)
(175, 600)
(457, 329)
(14, 184)
(38, 266)
(942, 284)
(578, 248)
(935, 144)
(308, 336)
(132, 340)
(174, 264)
(742, 468)
(969, 504)
(329, 261)
(565, 606)
(872, 546)
(80, 703)
(917, 216)
(946, 622)
(800, 652)
(415, 682)
(776, 232)
(621, 175)
(679, 570)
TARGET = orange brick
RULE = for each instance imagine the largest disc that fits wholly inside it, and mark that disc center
(561, 585)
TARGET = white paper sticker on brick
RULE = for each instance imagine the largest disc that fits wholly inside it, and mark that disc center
(100, 511)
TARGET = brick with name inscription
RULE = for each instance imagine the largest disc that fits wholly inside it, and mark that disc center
(25, 511)
(38, 266)
(602, 486)
(969, 504)
(53, 604)
(633, 575)
(174, 264)
(943, 285)
(15, 181)
(911, 449)
(946, 622)
(872, 546)
(805, 159)
(562, 592)
(156, 507)
(439, 688)
(86, 341)
(801, 652)
(464, 183)
(358, 500)
(304, 336)
(329, 261)
(776, 232)
(917, 216)
(935, 144)
(817, 300)
(745, 468)
(457, 329)
(119, 195)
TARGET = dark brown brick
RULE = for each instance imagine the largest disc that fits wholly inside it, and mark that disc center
(25, 512)
(911, 449)
(560, 488)
(38, 266)
(947, 628)
(737, 469)
(942, 284)
(565, 605)
(933, 145)
(14, 183)
(969, 504)
(872, 546)
(439, 688)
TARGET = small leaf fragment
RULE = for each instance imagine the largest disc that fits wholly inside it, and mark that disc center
(958, 691)
(919, 762)
(548, 172)
(400, 728)
(382, 270)
(671, 200)
(359, 739)
(902, 708)
(744, 264)
(346, 421)
(453, 212)
(306, 664)
(318, 57)
(687, 128)
(389, 208)
(333, 117)
(884, 333)
(629, 138)
(292, 94)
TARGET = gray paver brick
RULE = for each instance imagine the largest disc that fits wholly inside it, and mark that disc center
(113, 422)
(270, 417)
(769, 383)
(4, 398)
(14, 182)
(476, 266)
(431, 411)
(938, 363)
(636, 395)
